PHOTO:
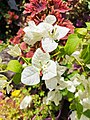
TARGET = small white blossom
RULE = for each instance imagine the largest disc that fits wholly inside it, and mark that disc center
(54, 96)
(26, 102)
(40, 62)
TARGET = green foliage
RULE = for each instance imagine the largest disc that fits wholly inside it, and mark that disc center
(2, 46)
(87, 113)
(14, 66)
(72, 43)
(82, 31)
(75, 105)
(85, 54)
(88, 25)
(17, 78)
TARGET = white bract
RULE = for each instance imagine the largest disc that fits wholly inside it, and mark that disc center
(26, 102)
(3, 81)
(55, 33)
(57, 82)
(54, 96)
(14, 50)
(73, 116)
(40, 63)
(46, 32)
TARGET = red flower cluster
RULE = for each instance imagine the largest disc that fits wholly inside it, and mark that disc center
(39, 11)
(17, 38)
(60, 6)
(35, 7)
(12, 16)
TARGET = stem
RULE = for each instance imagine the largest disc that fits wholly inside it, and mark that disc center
(79, 63)
(56, 54)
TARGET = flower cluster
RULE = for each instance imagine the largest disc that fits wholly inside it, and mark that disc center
(45, 32)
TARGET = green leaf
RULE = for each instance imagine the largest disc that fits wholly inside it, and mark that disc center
(79, 108)
(72, 43)
(82, 31)
(14, 66)
(2, 46)
(87, 113)
(85, 54)
(17, 78)
(88, 25)
(70, 96)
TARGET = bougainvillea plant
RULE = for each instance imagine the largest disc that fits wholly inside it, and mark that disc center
(43, 72)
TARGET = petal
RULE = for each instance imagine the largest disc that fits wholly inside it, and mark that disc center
(44, 29)
(30, 76)
(54, 96)
(26, 102)
(51, 19)
(32, 37)
(49, 71)
(60, 69)
(51, 83)
(70, 86)
(60, 31)
(62, 84)
(26, 29)
(31, 24)
(40, 58)
(49, 45)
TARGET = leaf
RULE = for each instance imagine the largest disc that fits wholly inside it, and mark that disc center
(0, 59)
(85, 54)
(72, 43)
(87, 113)
(17, 78)
(14, 50)
(88, 25)
(2, 47)
(82, 31)
(14, 66)
(30, 76)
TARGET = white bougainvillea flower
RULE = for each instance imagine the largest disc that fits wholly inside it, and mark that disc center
(73, 116)
(46, 32)
(54, 96)
(86, 102)
(2, 84)
(26, 102)
(57, 82)
(14, 51)
(30, 76)
(40, 62)
(34, 33)
(49, 45)
(51, 19)
(72, 84)
(55, 33)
